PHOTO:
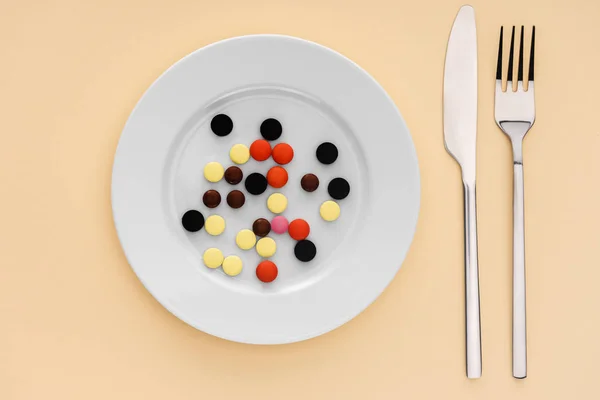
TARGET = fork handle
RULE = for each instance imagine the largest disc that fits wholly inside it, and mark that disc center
(519, 320)
(472, 314)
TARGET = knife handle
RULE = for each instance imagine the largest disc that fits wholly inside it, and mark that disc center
(472, 314)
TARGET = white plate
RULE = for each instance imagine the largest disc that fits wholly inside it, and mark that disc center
(318, 95)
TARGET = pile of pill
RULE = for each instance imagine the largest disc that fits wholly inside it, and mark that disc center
(256, 184)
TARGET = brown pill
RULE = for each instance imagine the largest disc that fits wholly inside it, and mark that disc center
(211, 198)
(261, 227)
(233, 175)
(309, 182)
(236, 199)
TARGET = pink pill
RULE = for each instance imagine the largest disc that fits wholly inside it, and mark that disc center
(279, 224)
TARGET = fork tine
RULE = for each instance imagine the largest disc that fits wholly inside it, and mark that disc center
(510, 57)
(499, 67)
(532, 54)
(520, 69)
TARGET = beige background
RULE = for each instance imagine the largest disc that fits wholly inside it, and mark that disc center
(75, 323)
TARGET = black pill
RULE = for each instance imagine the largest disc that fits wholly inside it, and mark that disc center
(236, 199)
(233, 175)
(305, 250)
(221, 125)
(256, 183)
(271, 129)
(192, 221)
(327, 153)
(338, 188)
(211, 198)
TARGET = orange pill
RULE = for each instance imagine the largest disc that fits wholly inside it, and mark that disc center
(283, 153)
(299, 229)
(260, 150)
(266, 271)
(277, 177)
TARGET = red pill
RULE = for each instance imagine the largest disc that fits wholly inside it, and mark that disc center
(266, 271)
(260, 150)
(283, 153)
(277, 177)
(299, 229)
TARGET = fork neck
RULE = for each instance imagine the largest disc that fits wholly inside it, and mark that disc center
(517, 149)
(516, 131)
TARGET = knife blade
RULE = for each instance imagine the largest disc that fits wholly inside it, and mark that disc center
(460, 137)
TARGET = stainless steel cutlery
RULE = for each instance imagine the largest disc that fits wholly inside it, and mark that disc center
(460, 136)
(515, 115)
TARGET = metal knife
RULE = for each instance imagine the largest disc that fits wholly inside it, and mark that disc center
(460, 134)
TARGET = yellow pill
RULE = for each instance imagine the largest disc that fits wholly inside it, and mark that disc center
(213, 258)
(266, 247)
(239, 154)
(330, 210)
(213, 171)
(214, 225)
(232, 265)
(277, 203)
(245, 239)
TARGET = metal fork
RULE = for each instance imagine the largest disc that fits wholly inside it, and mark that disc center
(515, 115)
